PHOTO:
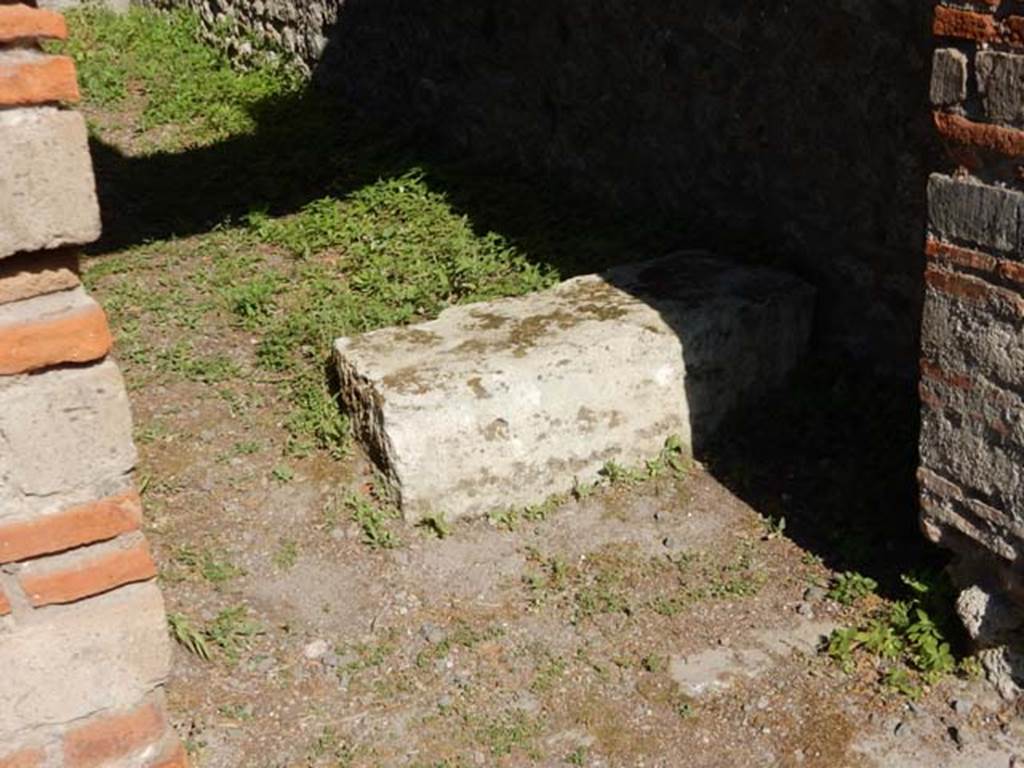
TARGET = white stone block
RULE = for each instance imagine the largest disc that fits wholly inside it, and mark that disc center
(504, 403)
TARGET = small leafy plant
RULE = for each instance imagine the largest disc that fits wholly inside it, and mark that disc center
(287, 555)
(904, 639)
(849, 587)
(616, 474)
(373, 521)
(774, 527)
(211, 567)
(507, 518)
(283, 473)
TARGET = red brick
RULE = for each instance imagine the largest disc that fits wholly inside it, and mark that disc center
(38, 81)
(90, 577)
(997, 139)
(84, 524)
(22, 22)
(1014, 30)
(77, 337)
(952, 22)
(980, 27)
(972, 289)
(5, 608)
(956, 285)
(928, 397)
(938, 485)
(931, 370)
(953, 255)
(944, 253)
(1011, 270)
(109, 737)
(25, 758)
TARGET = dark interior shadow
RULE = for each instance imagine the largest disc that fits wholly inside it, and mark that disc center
(591, 132)
(797, 137)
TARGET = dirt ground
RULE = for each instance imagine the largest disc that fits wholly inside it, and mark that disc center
(598, 637)
(656, 623)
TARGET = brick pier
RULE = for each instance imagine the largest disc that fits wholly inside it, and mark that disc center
(84, 650)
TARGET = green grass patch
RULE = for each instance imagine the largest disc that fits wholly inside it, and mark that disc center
(181, 359)
(391, 253)
(373, 520)
(611, 580)
(158, 64)
(394, 251)
(211, 566)
(287, 555)
(231, 631)
(509, 732)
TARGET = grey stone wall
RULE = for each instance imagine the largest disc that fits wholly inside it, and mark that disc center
(793, 134)
(298, 28)
(972, 358)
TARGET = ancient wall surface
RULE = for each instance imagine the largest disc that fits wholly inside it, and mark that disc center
(299, 28)
(796, 134)
(84, 649)
(120, 6)
(972, 364)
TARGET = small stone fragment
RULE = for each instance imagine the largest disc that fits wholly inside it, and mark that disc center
(315, 650)
(962, 707)
(949, 77)
(433, 634)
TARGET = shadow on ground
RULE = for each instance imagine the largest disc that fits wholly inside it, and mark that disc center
(310, 146)
(835, 452)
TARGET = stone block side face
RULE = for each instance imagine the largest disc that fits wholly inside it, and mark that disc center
(83, 640)
(972, 356)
